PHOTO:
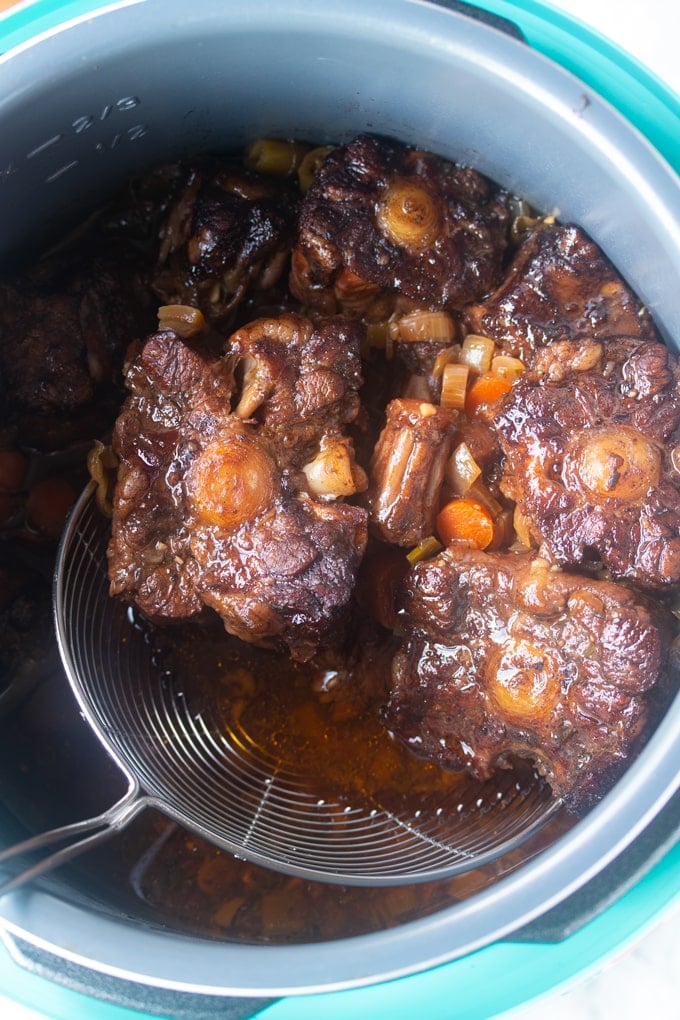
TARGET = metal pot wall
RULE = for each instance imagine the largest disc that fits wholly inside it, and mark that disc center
(111, 92)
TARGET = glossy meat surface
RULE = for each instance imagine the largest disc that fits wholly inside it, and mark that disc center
(506, 657)
(407, 470)
(559, 286)
(258, 452)
(383, 222)
(590, 436)
(214, 510)
(228, 231)
(296, 374)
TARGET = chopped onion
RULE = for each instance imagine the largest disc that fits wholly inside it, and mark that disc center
(523, 224)
(333, 473)
(505, 531)
(462, 470)
(101, 465)
(522, 529)
(477, 352)
(481, 493)
(311, 164)
(275, 156)
(454, 386)
(507, 367)
(423, 327)
(183, 320)
(444, 358)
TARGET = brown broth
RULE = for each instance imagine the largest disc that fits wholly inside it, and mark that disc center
(52, 771)
(198, 888)
(322, 718)
(327, 723)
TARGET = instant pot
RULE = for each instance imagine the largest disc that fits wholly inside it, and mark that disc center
(90, 95)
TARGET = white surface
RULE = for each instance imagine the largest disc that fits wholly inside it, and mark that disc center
(645, 982)
(641, 984)
(647, 31)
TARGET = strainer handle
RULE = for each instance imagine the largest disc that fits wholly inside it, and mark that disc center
(77, 837)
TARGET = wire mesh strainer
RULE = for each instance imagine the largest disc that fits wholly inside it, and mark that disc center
(229, 789)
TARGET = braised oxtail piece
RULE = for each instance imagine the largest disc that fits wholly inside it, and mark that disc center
(505, 658)
(64, 328)
(228, 232)
(407, 470)
(560, 286)
(590, 435)
(296, 372)
(383, 223)
(214, 510)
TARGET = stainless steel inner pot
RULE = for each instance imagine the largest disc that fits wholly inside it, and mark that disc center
(88, 104)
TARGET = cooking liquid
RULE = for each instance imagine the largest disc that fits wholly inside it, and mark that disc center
(322, 717)
(323, 722)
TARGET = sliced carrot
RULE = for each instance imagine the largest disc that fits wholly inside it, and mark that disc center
(48, 504)
(13, 470)
(466, 520)
(486, 388)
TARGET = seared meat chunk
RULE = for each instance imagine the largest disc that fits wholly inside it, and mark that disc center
(44, 358)
(211, 510)
(287, 575)
(382, 221)
(64, 329)
(299, 382)
(506, 657)
(174, 392)
(560, 286)
(228, 231)
(407, 470)
(295, 371)
(589, 434)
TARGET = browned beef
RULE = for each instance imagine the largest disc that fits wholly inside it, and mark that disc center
(407, 471)
(560, 286)
(64, 330)
(228, 231)
(214, 510)
(382, 221)
(589, 434)
(506, 657)
(284, 577)
(296, 372)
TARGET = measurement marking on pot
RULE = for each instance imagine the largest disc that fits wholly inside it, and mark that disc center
(43, 146)
(132, 135)
(102, 147)
(79, 126)
(61, 171)
(107, 146)
(88, 120)
(8, 172)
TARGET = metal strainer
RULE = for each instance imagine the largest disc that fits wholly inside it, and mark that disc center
(230, 790)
